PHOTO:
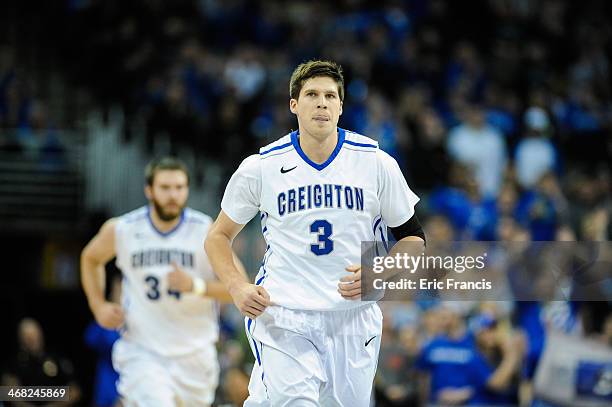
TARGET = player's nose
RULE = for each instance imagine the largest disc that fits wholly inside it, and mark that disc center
(322, 102)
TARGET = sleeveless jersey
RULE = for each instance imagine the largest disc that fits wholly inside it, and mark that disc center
(168, 323)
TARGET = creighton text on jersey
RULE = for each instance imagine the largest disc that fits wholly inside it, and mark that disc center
(320, 196)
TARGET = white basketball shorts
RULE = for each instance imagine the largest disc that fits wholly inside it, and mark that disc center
(314, 358)
(147, 379)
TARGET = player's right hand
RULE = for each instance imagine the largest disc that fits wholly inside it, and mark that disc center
(109, 315)
(250, 299)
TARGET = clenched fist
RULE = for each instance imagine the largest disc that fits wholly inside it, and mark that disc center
(109, 315)
(179, 280)
(349, 286)
(250, 299)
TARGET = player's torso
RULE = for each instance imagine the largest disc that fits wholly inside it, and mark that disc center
(341, 199)
(146, 256)
(314, 217)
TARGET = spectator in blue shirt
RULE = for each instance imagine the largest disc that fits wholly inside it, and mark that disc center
(491, 343)
(458, 373)
(102, 340)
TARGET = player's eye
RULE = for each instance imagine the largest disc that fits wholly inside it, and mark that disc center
(331, 96)
(311, 94)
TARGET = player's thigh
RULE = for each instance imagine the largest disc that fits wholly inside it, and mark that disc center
(196, 377)
(352, 357)
(143, 379)
(288, 372)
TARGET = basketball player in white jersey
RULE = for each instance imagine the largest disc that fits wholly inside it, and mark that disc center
(320, 191)
(168, 318)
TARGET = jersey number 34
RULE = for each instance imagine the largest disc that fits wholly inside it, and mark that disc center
(153, 293)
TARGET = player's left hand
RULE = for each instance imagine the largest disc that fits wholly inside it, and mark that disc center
(179, 280)
(349, 287)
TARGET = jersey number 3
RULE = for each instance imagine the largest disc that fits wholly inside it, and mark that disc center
(324, 244)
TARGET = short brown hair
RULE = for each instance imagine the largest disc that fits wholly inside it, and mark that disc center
(164, 163)
(313, 69)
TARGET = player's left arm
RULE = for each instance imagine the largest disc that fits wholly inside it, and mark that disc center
(349, 286)
(180, 280)
(397, 204)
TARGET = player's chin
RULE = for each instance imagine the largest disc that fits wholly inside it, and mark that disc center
(172, 212)
(324, 125)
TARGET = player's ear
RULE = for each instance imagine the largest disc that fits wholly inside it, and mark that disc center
(340, 113)
(293, 106)
(148, 192)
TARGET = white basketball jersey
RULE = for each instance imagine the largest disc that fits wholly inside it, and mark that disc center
(166, 322)
(315, 216)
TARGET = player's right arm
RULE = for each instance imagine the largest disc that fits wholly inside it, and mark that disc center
(94, 256)
(240, 203)
(250, 299)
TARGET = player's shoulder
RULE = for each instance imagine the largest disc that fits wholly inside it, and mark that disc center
(195, 216)
(130, 220)
(280, 146)
(358, 142)
(134, 216)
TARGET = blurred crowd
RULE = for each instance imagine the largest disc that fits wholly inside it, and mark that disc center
(26, 125)
(498, 111)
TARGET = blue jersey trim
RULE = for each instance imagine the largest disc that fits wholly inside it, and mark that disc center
(168, 233)
(261, 278)
(376, 225)
(275, 148)
(319, 167)
(256, 352)
(353, 143)
(384, 242)
(250, 321)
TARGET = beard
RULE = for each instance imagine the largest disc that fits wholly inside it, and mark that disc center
(165, 215)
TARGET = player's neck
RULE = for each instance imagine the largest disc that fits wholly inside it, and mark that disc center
(162, 225)
(318, 150)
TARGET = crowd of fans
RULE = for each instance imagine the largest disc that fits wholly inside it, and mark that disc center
(499, 113)
(26, 126)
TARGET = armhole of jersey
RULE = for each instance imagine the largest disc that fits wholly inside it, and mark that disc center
(118, 223)
(378, 151)
(261, 182)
